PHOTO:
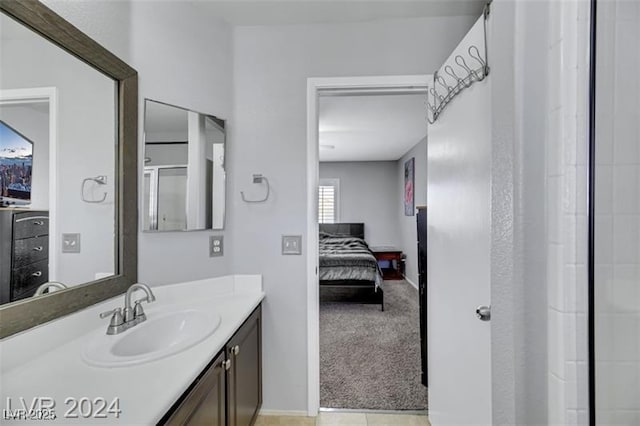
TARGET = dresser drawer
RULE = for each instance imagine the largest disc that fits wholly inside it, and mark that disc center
(30, 224)
(30, 250)
(29, 277)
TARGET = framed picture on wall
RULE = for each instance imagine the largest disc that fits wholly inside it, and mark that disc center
(409, 175)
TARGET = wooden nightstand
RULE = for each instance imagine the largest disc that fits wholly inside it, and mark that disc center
(391, 255)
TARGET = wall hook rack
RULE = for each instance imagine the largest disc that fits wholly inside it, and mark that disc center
(258, 178)
(100, 180)
(444, 89)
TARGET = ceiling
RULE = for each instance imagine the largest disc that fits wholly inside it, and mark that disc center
(162, 118)
(164, 123)
(370, 127)
(288, 12)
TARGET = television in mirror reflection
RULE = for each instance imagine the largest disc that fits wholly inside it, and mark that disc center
(16, 164)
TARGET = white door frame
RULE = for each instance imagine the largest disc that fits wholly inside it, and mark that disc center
(50, 95)
(315, 86)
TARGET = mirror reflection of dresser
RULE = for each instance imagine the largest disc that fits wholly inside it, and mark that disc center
(24, 253)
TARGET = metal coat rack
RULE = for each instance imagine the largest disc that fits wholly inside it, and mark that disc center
(472, 69)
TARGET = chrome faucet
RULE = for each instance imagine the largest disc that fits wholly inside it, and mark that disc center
(50, 284)
(136, 314)
(122, 320)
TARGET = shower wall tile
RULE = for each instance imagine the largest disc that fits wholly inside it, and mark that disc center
(625, 147)
(617, 257)
(604, 136)
(625, 189)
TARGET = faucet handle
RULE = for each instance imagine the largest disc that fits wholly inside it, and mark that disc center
(116, 316)
(138, 312)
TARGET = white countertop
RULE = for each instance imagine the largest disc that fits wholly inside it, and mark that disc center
(46, 361)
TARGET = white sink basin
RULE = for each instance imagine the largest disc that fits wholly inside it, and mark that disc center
(161, 335)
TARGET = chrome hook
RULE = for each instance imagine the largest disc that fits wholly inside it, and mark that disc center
(470, 73)
(436, 95)
(477, 57)
(444, 84)
(449, 70)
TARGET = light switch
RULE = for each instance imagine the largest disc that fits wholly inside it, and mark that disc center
(71, 243)
(216, 246)
(292, 244)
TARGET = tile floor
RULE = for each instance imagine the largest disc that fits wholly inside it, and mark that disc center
(345, 419)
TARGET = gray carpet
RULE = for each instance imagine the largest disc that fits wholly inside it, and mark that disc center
(371, 359)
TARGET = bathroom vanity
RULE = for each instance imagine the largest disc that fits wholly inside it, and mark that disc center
(215, 379)
(231, 385)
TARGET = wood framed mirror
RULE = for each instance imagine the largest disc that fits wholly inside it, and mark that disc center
(26, 313)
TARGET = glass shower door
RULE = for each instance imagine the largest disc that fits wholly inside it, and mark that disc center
(172, 207)
(164, 204)
(616, 216)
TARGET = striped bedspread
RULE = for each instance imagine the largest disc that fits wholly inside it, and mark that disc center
(347, 258)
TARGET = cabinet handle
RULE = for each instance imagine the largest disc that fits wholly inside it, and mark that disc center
(236, 350)
(227, 364)
(38, 222)
(39, 248)
(37, 274)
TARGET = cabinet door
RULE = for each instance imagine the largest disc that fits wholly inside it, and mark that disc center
(244, 379)
(205, 403)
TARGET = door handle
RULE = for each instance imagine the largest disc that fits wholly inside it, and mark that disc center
(483, 313)
(227, 364)
(39, 248)
(236, 350)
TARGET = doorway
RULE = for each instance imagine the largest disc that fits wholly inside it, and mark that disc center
(362, 86)
(38, 107)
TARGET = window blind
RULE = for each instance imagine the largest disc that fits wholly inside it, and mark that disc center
(327, 204)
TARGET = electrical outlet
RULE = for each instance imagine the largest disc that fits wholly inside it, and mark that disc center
(292, 244)
(216, 246)
(71, 243)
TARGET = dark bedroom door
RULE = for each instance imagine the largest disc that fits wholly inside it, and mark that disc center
(421, 218)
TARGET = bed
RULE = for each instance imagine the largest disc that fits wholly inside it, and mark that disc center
(348, 269)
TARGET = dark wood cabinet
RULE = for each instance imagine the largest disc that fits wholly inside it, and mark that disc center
(229, 391)
(421, 219)
(24, 252)
(205, 403)
(244, 379)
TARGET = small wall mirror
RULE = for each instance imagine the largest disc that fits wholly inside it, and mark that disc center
(184, 169)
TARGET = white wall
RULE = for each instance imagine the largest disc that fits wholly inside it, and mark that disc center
(566, 201)
(407, 225)
(34, 124)
(617, 233)
(367, 195)
(86, 117)
(530, 295)
(158, 39)
(271, 67)
(166, 154)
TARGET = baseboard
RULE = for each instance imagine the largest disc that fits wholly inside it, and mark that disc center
(410, 282)
(293, 413)
(424, 412)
